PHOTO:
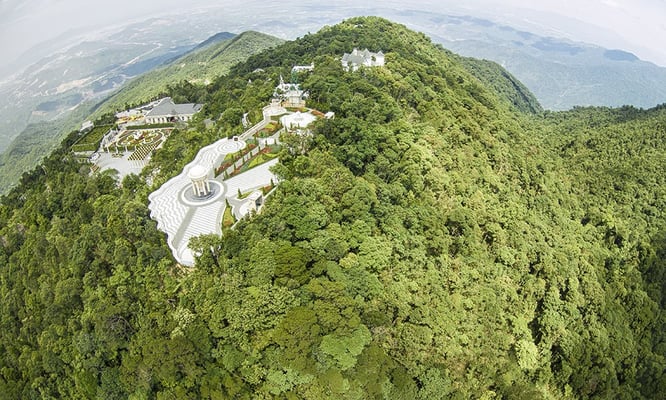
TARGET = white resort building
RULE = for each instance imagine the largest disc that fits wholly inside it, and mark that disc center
(168, 111)
(302, 68)
(290, 94)
(358, 58)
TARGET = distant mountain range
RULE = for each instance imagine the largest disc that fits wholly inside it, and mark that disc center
(205, 62)
(562, 74)
(90, 70)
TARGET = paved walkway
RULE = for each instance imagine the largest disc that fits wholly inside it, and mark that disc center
(124, 166)
(181, 220)
(251, 180)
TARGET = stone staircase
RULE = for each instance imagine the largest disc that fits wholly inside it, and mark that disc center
(182, 221)
(204, 220)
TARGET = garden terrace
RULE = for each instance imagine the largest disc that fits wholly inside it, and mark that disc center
(91, 140)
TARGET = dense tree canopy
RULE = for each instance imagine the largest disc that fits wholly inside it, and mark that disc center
(431, 241)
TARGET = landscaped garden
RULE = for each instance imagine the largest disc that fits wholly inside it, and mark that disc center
(134, 138)
(260, 159)
(317, 113)
(228, 219)
(295, 109)
(269, 129)
(264, 190)
(265, 155)
(231, 158)
(90, 141)
(154, 126)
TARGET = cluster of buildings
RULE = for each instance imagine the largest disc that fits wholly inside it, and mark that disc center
(194, 202)
(358, 58)
(160, 111)
(290, 95)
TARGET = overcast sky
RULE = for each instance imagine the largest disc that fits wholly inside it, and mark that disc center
(638, 26)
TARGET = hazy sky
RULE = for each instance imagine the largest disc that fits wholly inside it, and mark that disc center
(638, 26)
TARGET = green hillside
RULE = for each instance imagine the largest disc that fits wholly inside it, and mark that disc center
(35, 142)
(207, 61)
(429, 242)
(503, 83)
(198, 67)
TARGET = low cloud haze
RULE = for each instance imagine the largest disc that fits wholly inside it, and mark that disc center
(637, 26)
(25, 23)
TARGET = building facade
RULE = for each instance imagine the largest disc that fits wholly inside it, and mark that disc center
(167, 111)
(358, 58)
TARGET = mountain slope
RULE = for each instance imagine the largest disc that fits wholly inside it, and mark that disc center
(428, 242)
(216, 38)
(204, 63)
(503, 83)
(35, 142)
(207, 61)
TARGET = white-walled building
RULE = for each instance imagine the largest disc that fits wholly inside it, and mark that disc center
(362, 57)
(290, 94)
(302, 68)
(168, 111)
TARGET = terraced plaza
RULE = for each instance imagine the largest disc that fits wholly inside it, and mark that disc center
(232, 172)
(182, 216)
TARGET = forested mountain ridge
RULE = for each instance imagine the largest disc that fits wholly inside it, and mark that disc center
(503, 83)
(561, 73)
(428, 242)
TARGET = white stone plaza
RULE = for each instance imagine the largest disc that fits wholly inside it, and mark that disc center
(297, 121)
(193, 203)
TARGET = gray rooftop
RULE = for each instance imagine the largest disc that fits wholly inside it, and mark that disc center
(167, 108)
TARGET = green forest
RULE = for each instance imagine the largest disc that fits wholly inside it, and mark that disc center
(441, 238)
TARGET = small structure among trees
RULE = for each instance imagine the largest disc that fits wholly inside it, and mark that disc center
(362, 57)
(290, 94)
(302, 68)
(255, 200)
